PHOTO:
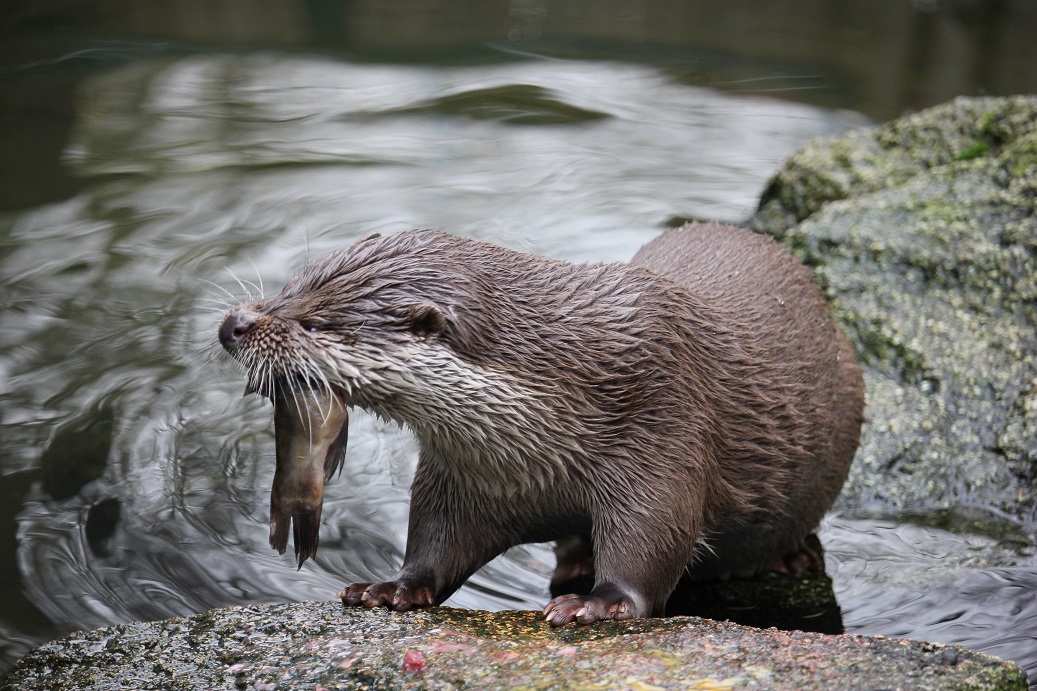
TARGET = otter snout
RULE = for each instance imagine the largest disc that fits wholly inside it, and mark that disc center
(235, 325)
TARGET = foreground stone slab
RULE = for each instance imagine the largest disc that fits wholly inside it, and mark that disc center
(325, 646)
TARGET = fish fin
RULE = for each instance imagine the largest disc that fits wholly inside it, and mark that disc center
(306, 534)
(336, 457)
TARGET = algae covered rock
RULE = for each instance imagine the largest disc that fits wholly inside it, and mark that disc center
(323, 646)
(924, 234)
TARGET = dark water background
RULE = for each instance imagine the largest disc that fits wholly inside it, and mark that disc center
(158, 161)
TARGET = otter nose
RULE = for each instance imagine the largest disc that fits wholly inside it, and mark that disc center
(234, 327)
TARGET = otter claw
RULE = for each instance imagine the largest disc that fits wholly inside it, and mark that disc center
(396, 595)
(586, 609)
(353, 593)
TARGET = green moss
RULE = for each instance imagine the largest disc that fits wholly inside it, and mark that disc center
(976, 149)
(1021, 158)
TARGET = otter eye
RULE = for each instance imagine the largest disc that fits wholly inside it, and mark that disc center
(310, 326)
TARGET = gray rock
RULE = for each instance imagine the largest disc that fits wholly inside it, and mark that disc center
(924, 234)
(323, 646)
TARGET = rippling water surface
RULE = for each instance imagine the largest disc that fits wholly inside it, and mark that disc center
(137, 475)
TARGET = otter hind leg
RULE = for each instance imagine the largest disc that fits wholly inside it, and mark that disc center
(574, 570)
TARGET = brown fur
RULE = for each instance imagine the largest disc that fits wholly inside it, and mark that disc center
(695, 408)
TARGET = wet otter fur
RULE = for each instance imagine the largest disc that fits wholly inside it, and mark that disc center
(694, 409)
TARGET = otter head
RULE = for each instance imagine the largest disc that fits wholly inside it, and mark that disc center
(348, 324)
(340, 333)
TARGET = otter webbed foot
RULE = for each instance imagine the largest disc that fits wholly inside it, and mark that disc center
(798, 563)
(604, 602)
(400, 595)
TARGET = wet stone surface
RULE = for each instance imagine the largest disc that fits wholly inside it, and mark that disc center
(321, 645)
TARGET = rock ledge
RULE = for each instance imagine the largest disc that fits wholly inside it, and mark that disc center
(322, 645)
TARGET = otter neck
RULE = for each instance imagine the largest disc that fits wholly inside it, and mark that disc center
(487, 427)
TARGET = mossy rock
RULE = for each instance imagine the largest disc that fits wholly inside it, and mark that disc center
(924, 234)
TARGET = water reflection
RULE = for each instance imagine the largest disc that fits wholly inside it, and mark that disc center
(140, 476)
(910, 581)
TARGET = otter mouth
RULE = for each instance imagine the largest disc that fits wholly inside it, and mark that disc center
(310, 432)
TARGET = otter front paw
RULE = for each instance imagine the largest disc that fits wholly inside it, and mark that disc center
(585, 609)
(396, 595)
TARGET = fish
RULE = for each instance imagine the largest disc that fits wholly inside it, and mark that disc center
(311, 429)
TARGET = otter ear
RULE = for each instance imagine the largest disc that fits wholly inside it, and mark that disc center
(425, 319)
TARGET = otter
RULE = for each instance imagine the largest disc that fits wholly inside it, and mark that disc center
(694, 410)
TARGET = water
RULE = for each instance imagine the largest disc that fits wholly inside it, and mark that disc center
(903, 580)
(135, 476)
